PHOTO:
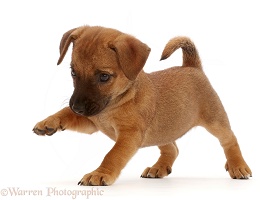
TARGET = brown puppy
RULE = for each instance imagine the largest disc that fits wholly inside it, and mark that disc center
(135, 109)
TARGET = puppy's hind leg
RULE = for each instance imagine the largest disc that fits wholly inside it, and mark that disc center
(218, 125)
(163, 166)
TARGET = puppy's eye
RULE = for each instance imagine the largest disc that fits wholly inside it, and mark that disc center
(104, 77)
(73, 73)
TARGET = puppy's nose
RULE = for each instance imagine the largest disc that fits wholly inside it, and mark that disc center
(78, 108)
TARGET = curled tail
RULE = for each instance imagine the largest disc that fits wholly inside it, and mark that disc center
(190, 54)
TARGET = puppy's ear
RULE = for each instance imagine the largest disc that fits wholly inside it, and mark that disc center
(132, 54)
(66, 40)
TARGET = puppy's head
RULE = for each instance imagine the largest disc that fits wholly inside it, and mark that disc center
(105, 64)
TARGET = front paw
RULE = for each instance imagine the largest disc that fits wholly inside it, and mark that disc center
(48, 126)
(238, 170)
(156, 172)
(97, 178)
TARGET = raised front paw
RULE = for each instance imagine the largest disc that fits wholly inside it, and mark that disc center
(238, 170)
(156, 172)
(97, 178)
(48, 126)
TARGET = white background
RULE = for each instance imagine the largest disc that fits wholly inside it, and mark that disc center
(232, 39)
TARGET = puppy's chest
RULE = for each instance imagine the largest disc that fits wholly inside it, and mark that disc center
(105, 126)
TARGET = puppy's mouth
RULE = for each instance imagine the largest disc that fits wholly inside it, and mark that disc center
(88, 108)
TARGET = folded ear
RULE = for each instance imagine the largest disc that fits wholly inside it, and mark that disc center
(132, 54)
(66, 40)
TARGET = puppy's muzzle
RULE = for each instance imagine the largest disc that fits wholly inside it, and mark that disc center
(88, 107)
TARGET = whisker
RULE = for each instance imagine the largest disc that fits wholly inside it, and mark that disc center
(65, 102)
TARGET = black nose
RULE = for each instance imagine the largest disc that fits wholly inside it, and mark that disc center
(86, 109)
(78, 108)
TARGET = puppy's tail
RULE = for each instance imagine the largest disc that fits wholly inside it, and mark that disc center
(190, 54)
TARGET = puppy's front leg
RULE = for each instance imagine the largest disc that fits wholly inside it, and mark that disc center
(64, 119)
(163, 167)
(116, 159)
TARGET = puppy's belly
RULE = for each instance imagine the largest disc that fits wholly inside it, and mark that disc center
(170, 123)
(152, 137)
(163, 137)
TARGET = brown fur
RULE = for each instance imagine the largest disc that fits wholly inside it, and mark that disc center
(136, 109)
